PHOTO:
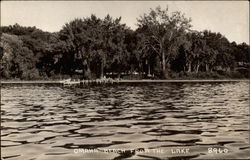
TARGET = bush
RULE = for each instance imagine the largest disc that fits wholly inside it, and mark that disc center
(32, 74)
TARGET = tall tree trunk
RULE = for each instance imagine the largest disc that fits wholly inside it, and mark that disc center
(140, 70)
(197, 68)
(163, 62)
(189, 67)
(88, 72)
(207, 68)
(102, 69)
(149, 69)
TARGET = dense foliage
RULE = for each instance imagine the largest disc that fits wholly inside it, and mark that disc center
(163, 46)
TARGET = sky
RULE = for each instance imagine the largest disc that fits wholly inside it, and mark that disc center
(230, 18)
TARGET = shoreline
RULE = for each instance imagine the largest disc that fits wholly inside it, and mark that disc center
(128, 81)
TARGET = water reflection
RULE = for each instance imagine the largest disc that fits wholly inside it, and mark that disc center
(49, 122)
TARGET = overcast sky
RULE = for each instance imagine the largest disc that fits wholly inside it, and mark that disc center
(231, 18)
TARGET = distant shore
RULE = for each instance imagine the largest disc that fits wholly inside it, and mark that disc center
(127, 81)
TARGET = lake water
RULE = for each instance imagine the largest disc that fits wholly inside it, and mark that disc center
(133, 121)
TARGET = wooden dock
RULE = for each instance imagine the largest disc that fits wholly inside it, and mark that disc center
(116, 81)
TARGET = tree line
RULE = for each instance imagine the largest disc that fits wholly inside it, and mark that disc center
(162, 46)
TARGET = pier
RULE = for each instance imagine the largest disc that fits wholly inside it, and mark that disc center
(122, 81)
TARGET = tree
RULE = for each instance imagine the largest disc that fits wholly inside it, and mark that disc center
(115, 55)
(17, 60)
(41, 44)
(163, 32)
(99, 43)
(221, 48)
(241, 52)
(162, 42)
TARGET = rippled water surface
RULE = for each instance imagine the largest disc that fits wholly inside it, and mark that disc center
(138, 121)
